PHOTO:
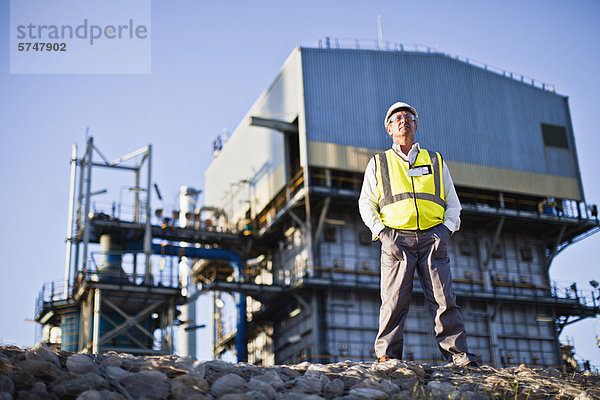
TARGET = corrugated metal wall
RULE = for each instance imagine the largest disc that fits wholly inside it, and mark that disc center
(469, 114)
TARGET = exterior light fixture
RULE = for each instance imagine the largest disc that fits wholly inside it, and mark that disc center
(295, 312)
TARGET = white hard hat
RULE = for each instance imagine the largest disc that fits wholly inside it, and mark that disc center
(400, 106)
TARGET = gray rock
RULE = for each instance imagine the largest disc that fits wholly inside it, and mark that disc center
(441, 374)
(71, 385)
(185, 362)
(7, 385)
(198, 369)
(42, 353)
(334, 388)
(134, 364)
(5, 364)
(388, 366)
(230, 383)
(369, 383)
(367, 394)
(167, 367)
(407, 384)
(306, 384)
(112, 361)
(552, 372)
(41, 369)
(90, 395)
(291, 396)
(37, 391)
(262, 387)
(185, 386)
(417, 369)
(319, 368)
(302, 367)
(582, 396)
(99, 395)
(403, 373)
(466, 387)
(82, 363)
(255, 395)
(440, 388)
(470, 395)
(404, 395)
(287, 373)
(21, 379)
(271, 378)
(235, 396)
(389, 387)
(147, 385)
(215, 369)
(117, 373)
(353, 376)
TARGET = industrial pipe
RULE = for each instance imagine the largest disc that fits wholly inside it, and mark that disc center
(240, 300)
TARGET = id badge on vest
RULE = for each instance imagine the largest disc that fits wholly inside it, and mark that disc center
(419, 171)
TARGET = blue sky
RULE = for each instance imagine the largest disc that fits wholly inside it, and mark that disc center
(209, 63)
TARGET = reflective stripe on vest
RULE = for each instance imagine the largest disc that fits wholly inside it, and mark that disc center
(410, 202)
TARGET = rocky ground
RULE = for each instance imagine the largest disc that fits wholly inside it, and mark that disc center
(41, 373)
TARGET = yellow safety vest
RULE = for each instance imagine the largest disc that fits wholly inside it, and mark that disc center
(410, 197)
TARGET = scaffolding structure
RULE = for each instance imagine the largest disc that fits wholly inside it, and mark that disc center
(106, 301)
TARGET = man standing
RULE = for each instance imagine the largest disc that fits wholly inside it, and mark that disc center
(408, 201)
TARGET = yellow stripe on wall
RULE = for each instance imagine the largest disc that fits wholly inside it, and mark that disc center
(355, 159)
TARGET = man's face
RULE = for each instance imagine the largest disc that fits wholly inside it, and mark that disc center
(402, 126)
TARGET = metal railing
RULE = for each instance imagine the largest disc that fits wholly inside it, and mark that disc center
(55, 291)
(587, 298)
(51, 292)
(370, 44)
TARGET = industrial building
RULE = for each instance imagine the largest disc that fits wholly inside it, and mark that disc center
(299, 156)
(280, 230)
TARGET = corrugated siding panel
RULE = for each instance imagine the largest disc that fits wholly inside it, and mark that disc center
(257, 153)
(468, 114)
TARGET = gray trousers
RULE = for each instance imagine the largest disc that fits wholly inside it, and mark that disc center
(426, 250)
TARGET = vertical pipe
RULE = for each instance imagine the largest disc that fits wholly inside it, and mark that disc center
(240, 301)
(148, 230)
(240, 335)
(490, 316)
(78, 213)
(316, 327)
(379, 33)
(136, 196)
(134, 277)
(88, 188)
(70, 220)
(215, 320)
(96, 328)
(171, 347)
(187, 339)
(483, 271)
